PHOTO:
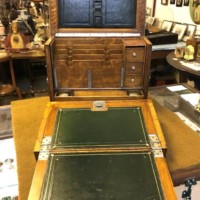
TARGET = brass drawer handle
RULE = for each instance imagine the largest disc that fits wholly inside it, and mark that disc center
(132, 80)
(134, 54)
(133, 68)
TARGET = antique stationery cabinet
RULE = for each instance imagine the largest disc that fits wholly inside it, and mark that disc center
(99, 137)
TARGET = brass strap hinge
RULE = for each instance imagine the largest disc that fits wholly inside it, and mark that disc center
(45, 147)
(155, 145)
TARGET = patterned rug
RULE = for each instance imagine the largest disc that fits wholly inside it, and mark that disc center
(5, 122)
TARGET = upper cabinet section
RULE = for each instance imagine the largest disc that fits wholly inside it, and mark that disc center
(97, 14)
(121, 16)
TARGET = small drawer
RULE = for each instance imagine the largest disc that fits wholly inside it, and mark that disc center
(133, 80)
(134, 54)
(134, 68)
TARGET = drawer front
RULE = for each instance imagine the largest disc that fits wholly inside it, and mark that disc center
(134, 54)
(133, 80)
(132, 68)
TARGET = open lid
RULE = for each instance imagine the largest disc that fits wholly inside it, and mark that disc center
(97, 16)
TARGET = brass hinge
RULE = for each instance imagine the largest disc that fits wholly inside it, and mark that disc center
(155, 145)
(45, 147)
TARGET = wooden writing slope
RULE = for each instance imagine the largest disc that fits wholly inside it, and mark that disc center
(100, 137)
(90, 149)
(97, 45)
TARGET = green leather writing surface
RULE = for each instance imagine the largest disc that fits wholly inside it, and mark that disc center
(109, 176)
(115, 127)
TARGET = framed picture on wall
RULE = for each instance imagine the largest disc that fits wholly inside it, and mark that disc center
(186, 2)
(190, 32)
(179, 3)
(180, 30)
(164, 2)
(150, 20)
(195, 11)
(167, 25)
(150, 8)
(172, 1)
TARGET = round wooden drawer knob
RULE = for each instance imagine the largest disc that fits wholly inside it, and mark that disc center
(132, 80)
(133, 68)
(134, 54)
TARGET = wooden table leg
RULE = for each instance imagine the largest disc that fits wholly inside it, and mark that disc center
(13, 79)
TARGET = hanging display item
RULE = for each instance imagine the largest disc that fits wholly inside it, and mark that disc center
(179, 3)
(195, 11)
